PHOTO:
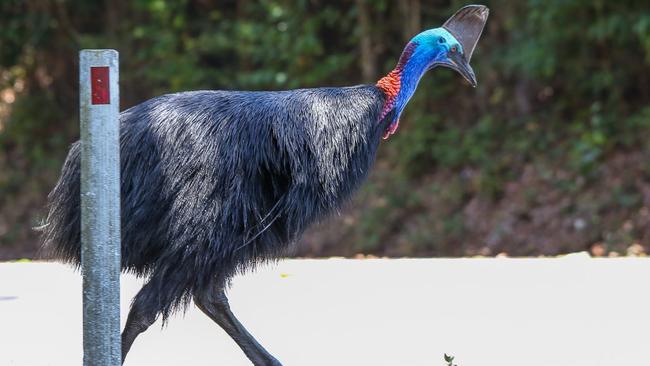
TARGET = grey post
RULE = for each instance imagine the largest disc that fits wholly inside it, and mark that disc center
(100, 206)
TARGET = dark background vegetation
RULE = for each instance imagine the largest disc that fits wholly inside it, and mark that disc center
(549, 154)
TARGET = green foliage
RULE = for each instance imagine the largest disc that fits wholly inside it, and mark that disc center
(562, 85)
(569, 73)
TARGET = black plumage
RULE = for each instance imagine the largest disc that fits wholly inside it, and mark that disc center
(215, 182)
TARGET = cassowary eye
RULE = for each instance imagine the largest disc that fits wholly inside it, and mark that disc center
(453, 49)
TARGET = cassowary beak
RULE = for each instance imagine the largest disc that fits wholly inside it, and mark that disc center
(466, 25)
(457, 62)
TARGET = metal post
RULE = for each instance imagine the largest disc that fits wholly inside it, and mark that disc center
(99, 102)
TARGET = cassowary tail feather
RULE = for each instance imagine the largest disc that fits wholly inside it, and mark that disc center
(61, 231)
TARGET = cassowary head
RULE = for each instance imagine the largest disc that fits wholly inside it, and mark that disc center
(450, 46)
(438, 47)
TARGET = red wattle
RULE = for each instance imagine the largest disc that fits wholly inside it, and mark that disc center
(390, 85)
(391, 129)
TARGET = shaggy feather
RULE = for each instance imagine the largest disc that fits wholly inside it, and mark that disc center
(215, 182)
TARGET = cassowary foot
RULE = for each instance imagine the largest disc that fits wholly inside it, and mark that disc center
(139, 320)
(215, 305)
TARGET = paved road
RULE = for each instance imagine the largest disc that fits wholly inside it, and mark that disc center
(521, 312)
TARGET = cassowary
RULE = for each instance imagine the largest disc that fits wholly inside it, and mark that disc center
(215, 182)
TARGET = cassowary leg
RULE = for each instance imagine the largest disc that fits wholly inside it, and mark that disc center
(215, 305)
(140, 318)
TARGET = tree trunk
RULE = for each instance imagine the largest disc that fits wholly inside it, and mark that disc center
(411, 13)
(367, 61)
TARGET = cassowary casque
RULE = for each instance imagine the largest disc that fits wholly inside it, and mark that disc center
(215, 182)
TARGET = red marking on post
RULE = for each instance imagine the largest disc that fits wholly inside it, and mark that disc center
(99, 86)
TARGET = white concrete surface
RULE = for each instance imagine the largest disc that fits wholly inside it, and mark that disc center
(520, 312)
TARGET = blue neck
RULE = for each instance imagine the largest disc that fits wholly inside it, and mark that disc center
(415, 67)
(400, 84)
